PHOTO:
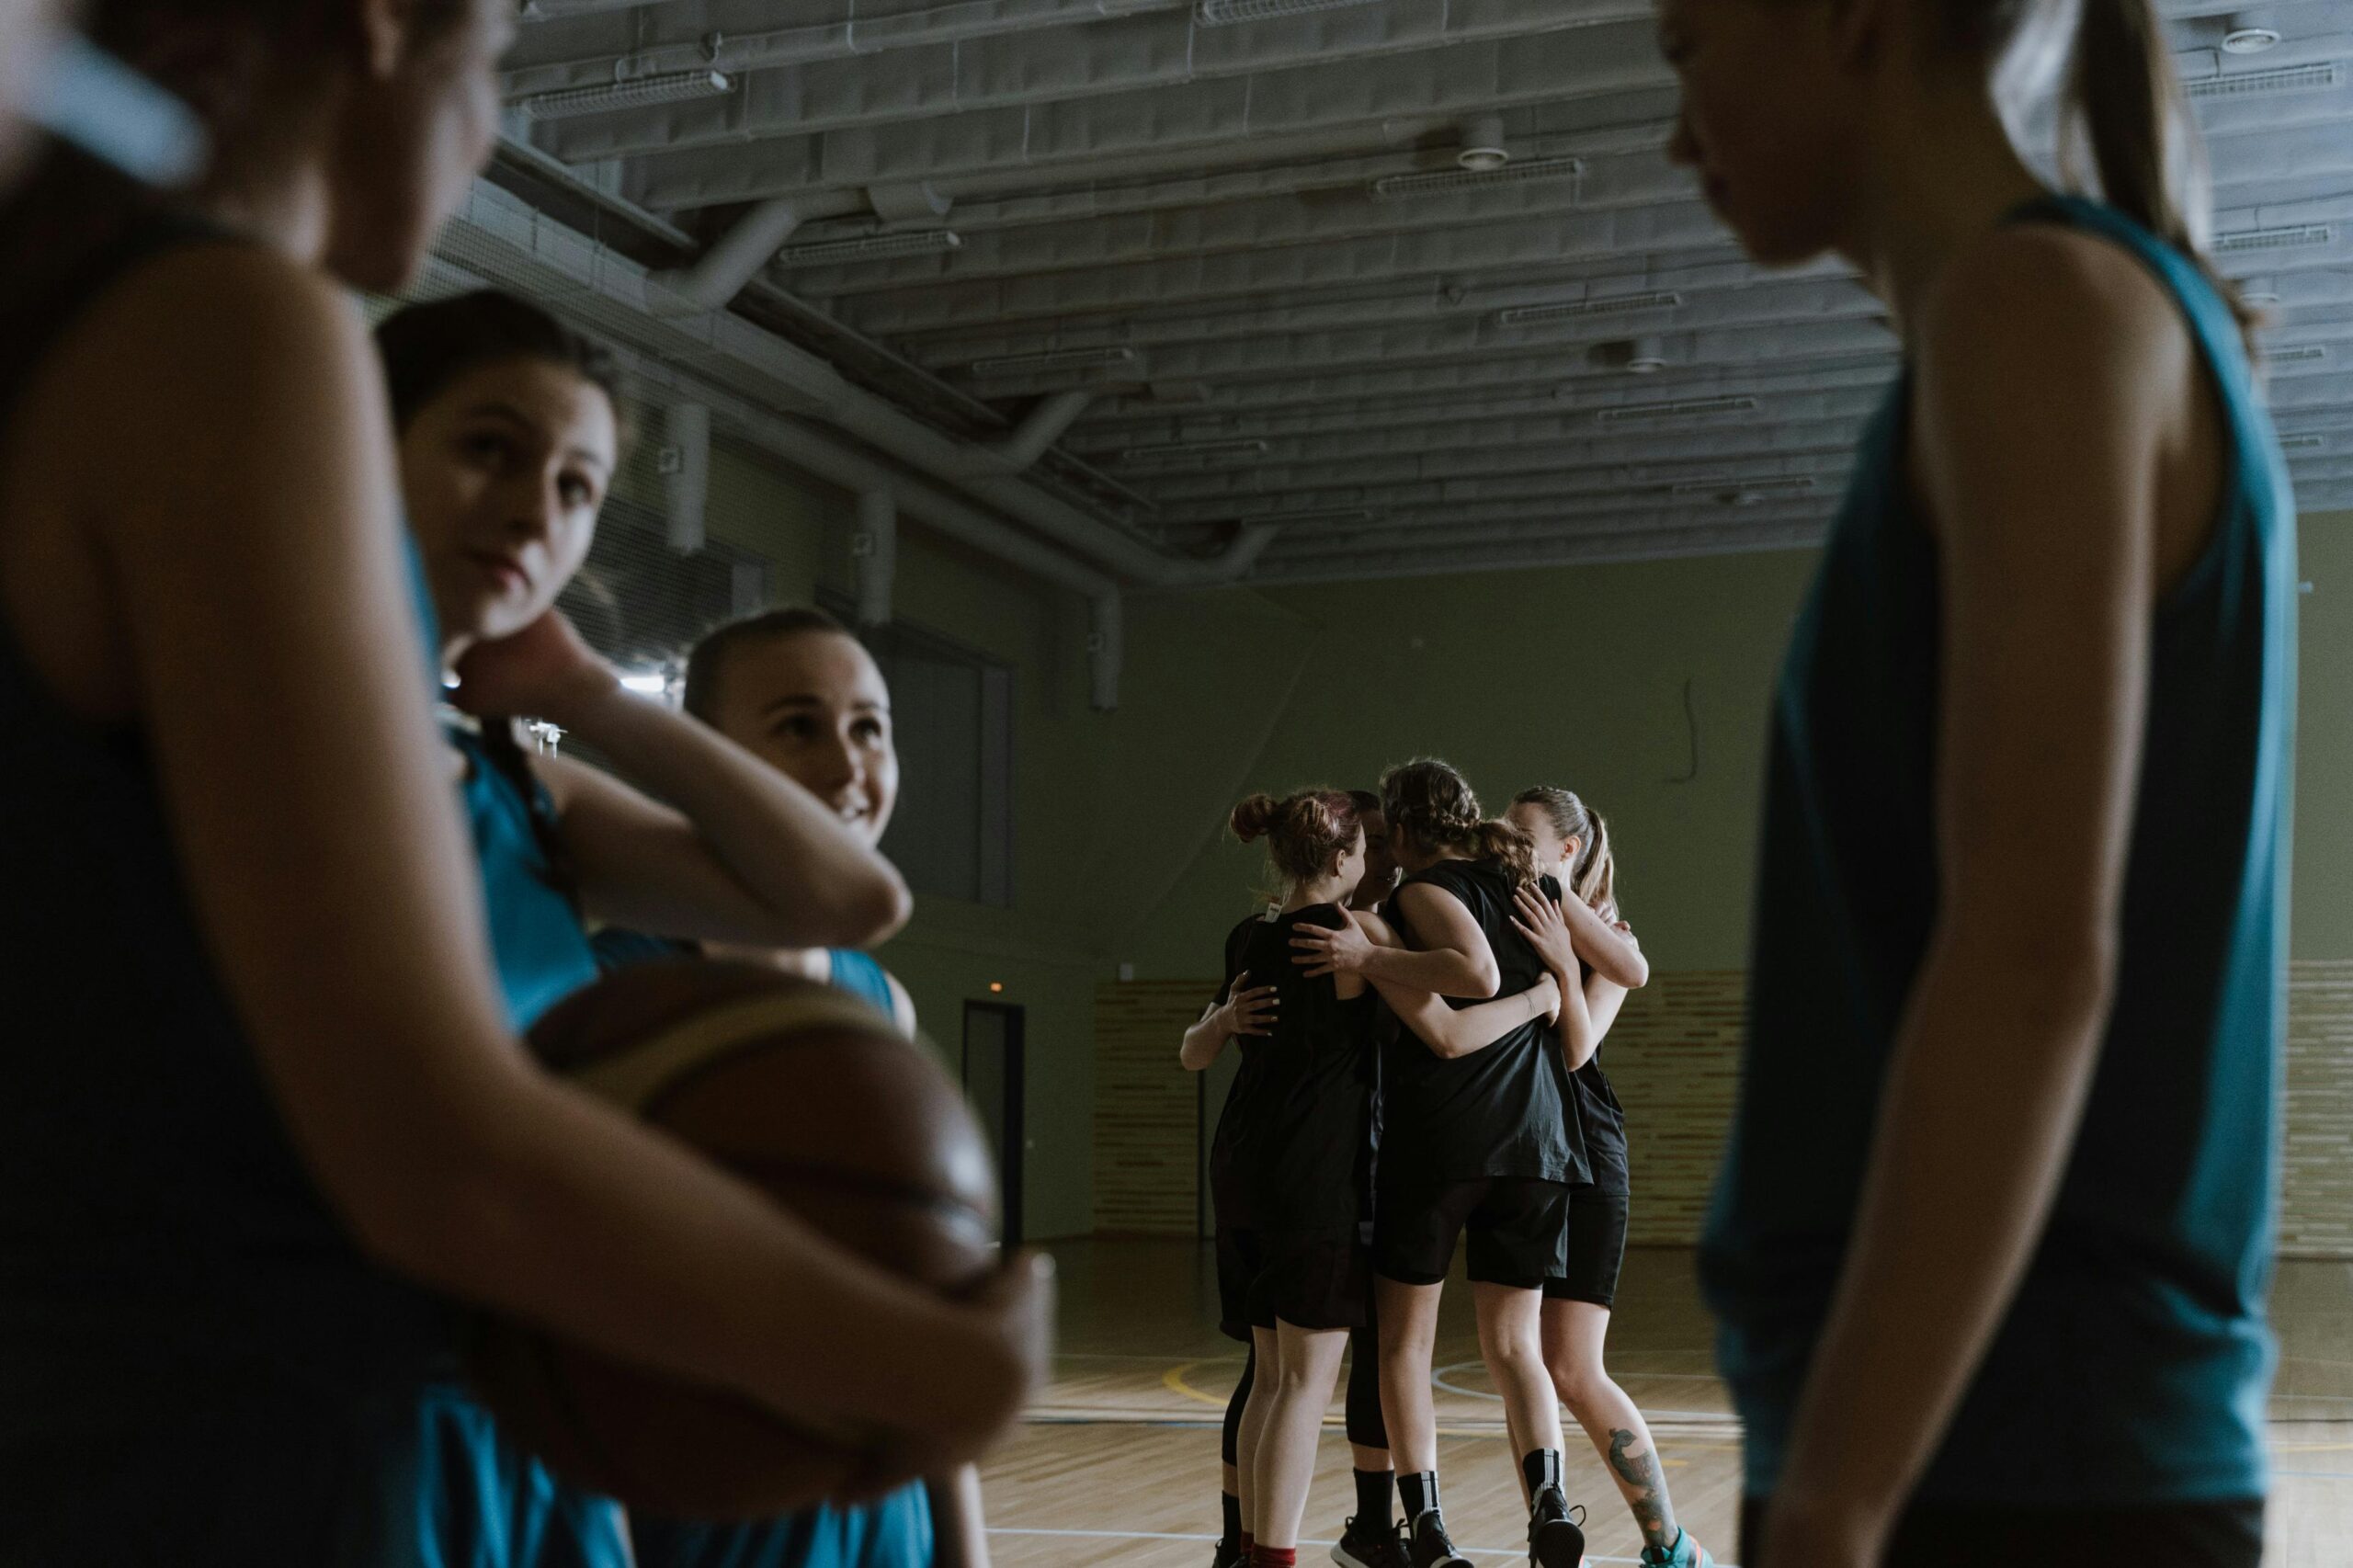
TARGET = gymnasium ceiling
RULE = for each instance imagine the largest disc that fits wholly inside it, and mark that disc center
(1302, 314)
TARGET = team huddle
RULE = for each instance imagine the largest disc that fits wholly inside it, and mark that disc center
(1419, 1007)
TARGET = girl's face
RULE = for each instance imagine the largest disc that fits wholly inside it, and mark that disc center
(504, 473)
(1350, 870)
(1380, 864)
(1771, 118)
(813, 706)
(1552, 851)
(418, 124)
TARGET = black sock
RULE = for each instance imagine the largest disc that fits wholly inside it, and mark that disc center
(1232, 1506)
(1542, 1468)
(1419, 1492)
(1373, 1494)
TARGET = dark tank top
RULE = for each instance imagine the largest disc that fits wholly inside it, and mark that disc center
(1501, 1111)
(157, 1232)
(1295, 1148)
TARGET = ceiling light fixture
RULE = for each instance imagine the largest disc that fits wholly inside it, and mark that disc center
(1678, 408)
(1578, 310)
(1226, 13)
(2287, 79)
(1483, 149)
(2249, 33)
(644, 92)
(872, 248)
(1055, 360)
(1440, 182)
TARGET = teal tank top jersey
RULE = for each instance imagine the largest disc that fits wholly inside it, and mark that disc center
(2131, 1368)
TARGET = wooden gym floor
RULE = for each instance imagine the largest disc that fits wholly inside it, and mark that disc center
(1117, 1462)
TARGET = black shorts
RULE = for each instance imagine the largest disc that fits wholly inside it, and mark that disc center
(1517, 1226)
(1596, 1248)
(1961, 1535)
(1318, 1279)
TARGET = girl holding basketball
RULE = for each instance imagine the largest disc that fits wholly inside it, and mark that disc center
(1571, 931)
(2052, 644)
(1480, 1141)
(1291, 1165)
(508, 429)
(295, 1112)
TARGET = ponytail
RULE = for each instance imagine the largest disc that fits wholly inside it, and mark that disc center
(1499, 841)
(1597, 880)
(2129, 112)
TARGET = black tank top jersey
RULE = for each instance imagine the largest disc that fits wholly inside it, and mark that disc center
(1502, 1111)
(1293, 1150)
(155, 1220)
(1599, 1115)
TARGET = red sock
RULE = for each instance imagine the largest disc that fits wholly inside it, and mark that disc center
(1274, 1557)
(1249, 1545)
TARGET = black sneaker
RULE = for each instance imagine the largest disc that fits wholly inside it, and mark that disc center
(1368, 1545)
(1555, 1537)
(1425, 1545)
(1228, 1554)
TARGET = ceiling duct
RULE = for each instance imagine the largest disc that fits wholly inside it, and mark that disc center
(1581, 310)
(1053, 360)
(1227, 13)
(2294, 237)
(1678, 408)
(872, 248)
(644, 92)
(1442, 181)
(2278, 83)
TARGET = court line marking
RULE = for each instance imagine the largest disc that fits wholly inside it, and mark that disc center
(1167, 1535)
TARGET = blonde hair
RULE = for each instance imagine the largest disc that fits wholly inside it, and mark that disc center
(1593, 877)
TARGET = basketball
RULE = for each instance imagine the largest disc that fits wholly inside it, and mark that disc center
(812, 1097)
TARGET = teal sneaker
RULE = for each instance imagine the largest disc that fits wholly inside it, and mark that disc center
(1687, 1553)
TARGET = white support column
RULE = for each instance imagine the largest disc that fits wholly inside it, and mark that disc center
(876, 552)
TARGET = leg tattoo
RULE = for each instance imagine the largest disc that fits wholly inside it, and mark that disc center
(1645, 1488)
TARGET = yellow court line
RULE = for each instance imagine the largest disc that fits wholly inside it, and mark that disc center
(1173, 1381)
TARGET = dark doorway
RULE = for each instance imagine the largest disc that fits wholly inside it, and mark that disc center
(993, 1075)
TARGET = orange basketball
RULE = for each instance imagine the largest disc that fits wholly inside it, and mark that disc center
(813, 1097)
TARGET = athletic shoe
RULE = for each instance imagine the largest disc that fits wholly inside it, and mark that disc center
(1228, 1554)
(1368, 1545)
(1687, 1553)
(1554, 1540)
(1425, 1545)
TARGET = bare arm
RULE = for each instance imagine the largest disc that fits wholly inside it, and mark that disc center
(1603, 947)
(2045, 386)
(255, 555)
(1246, 1010)
(1454, 960)
(1448, 1032)
(739, 853)
(959, 1524)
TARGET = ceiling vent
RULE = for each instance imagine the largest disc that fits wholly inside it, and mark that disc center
(2287, 79)
(1227, 13)
(2302, 443)
(2296, 236)
(1583, 310)
(872, 248)
(1056, 359)
(1184, 455)
(644, 92)
(1680, 408)
(2302, 354)
(1439, 182)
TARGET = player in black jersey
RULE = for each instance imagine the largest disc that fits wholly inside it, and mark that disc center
(1477, 1139)
(1291, 1168)
(1594, 959)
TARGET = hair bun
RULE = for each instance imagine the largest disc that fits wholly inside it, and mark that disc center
(1254, 818)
